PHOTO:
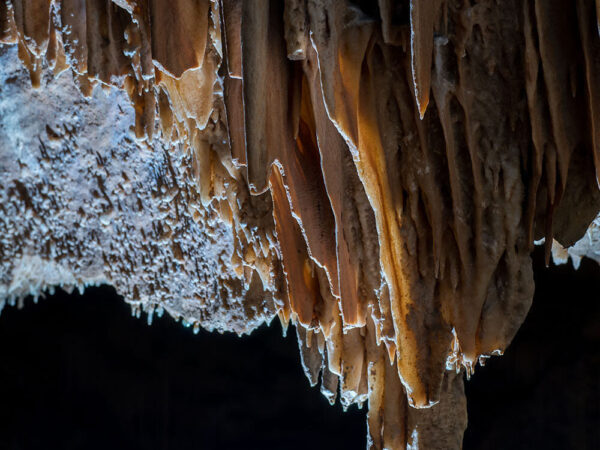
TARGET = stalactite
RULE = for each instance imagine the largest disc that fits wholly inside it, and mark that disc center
(381, 172)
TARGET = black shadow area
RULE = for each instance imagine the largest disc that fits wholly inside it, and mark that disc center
(544, 393)
(78, 372)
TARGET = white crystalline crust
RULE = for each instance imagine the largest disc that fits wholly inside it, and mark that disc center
(82, 201)
(376, 176)
(588, 246)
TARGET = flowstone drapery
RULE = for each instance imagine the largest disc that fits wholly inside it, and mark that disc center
(375, 173)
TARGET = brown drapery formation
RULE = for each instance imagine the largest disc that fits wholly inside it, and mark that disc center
(385, 166)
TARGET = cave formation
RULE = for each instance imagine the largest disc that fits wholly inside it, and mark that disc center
(374, 173)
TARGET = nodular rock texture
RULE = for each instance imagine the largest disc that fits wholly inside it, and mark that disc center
(375, 173)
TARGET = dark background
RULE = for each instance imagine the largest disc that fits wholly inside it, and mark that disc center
(80, 372)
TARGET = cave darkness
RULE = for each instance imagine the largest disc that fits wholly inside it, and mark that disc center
(80, 372)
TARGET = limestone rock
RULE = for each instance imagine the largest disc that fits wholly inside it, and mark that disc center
(375, 173)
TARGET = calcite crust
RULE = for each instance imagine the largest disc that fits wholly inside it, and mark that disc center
(374, 173)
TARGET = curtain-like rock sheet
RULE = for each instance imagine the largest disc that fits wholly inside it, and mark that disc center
(383, 168)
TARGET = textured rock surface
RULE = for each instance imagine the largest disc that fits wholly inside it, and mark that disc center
(375, 173)
(85, 202)
(588, 246)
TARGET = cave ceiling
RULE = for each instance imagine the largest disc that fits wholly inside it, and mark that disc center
(374, 173)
